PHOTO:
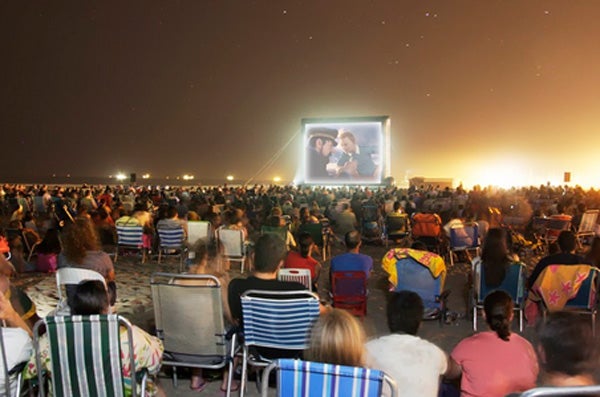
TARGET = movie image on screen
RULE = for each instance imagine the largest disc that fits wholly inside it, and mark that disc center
(345, 151)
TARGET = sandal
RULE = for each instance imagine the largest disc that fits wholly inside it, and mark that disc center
(200, 387)
(235, 386)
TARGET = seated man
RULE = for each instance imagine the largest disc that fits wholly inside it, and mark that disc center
(352, 260)
(414, 363)
(567, 244)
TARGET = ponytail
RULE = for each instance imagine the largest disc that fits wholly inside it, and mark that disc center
(498, 307)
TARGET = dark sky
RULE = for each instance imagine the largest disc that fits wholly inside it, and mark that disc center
(482, 91)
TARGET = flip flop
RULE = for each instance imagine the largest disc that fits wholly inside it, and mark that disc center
(235, 386)
(200, 387)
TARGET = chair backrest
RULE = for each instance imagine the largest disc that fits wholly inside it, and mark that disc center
(10, 384)
(588, 222)
(297, 378)
(464, 237)
(176, 299)
(131, 236)
(85, 355)
(562, 391)
(413, 276)
(556, 283)
(346, 284)
(301, 276)
(171, 238)
(278, 319)
(396, 224)
(513, 283)
(315, 230)
(197, 231)
(73, 276)
(231, 241)
(426, 225)
(280, 231)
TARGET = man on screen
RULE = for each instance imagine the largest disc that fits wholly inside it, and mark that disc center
(321, 142)
(355, 162)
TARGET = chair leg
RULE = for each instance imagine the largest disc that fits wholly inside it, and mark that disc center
(451, 258)
(143, 255)
(593, 323)
(244, 372)
(475, 317)
(159, 254)
(116, 254)
(521, 320)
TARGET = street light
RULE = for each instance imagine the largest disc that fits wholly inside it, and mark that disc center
(277, 179)
(230, 178)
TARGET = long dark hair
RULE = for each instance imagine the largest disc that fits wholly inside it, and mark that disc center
(495, 256)
(498, 307)
(305, 241)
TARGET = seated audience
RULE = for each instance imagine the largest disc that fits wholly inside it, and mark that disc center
(567, 244)
(352, 260)
(19, 301)
(337, 338)
(496, 362)
(593, 255)
(304, 259)
(495, 257)
(414, 363)
(91, 297)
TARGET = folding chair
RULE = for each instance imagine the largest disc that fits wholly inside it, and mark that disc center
(427, 228)
(198, 231)
(555, 287)
(395, 226)
(80, 366)
(276, 320)
(587, 226)
(186, 305)
(305, 378)
(319, 234)
(29, 247)
(171, 242)
(349, 291)
(554, 225)
(562, 391)
(464, 239)
(71, 276)
(232, 246)
(130, 238)
(513, 284)
(12, 376)
(301, 276)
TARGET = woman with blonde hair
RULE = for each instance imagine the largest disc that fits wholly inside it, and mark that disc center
(337, 338)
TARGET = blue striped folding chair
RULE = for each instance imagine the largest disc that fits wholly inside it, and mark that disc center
(297, 378)
(464, 238)
(85, 356)
(131, 238)
(275, 320)
(172, 242)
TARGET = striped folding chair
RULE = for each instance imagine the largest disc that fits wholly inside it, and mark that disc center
(275, 320)
(131, 238)
(562, 391)
(85, 356)
(297, 378)
(301, 276)
(172, 242)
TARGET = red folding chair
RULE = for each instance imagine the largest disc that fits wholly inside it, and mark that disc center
(349, 291)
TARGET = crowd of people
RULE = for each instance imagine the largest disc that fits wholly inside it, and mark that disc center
(72, 224)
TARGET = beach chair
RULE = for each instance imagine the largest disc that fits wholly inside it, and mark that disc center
(13, 377)
(395, 226)
(568, 288)
(130, 238)
(275, 320)
(29, 245)
(414, 276)
(187, 305)
(301, 276)
(554, 225)
(587, 226)
(198, 231)
(232, 246)
(593, 390)
(305, 378)
(349, 291)
(465, 239)
(513, 284)
(80, 367)
(319, 234)
(427, 228)
(69, 277)
(171, 242)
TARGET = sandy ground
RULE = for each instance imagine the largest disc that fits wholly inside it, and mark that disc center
(135, 303)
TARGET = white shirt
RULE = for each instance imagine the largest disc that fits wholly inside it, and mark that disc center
(414, 363)
(18, 349)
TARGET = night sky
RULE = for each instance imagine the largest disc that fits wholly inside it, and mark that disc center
(482, 91)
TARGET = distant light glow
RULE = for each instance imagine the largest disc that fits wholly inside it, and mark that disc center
(146, 176)
(277, 179)
(121, 176)
(230, 178)
(187, 177)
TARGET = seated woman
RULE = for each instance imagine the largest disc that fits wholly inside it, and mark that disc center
(495, 257)
(337, 338)
(304, 259)
(81, 248)
(91, 297)
(495, 363)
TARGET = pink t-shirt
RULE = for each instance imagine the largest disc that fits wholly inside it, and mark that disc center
(492, 367)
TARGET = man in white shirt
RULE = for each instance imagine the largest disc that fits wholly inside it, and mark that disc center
(414, 363)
